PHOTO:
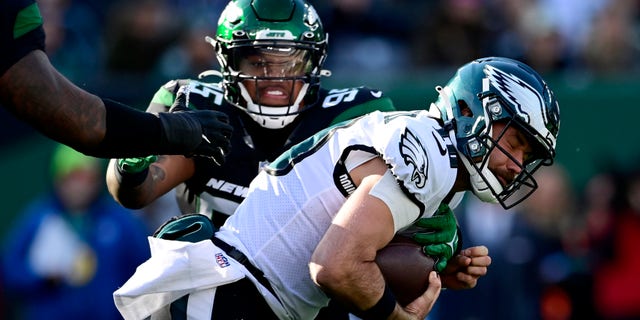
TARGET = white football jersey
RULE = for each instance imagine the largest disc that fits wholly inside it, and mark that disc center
(292, 202)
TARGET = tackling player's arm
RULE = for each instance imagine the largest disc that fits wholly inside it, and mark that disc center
(37, 93)
(136, 189)
(136, 182)
(343, 264)
(33, 90)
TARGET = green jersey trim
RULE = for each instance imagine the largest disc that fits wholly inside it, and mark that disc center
(383, 104)
(164, 97)
(28, 19)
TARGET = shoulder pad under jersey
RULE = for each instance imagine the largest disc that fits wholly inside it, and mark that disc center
(422, 160)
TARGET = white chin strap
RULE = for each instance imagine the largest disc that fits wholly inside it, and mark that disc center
(273, 117)
(479, 186)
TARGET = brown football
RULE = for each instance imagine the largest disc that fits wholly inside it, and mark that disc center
(405, 268)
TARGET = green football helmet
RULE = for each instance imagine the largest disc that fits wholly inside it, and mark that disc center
(499, 89)
(260, 41)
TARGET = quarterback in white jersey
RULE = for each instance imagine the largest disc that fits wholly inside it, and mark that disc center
(314, 219)
(295, 200)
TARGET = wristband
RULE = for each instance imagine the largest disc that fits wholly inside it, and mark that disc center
(130, 179)
(135, 165)
(382, 309)
(29, 38)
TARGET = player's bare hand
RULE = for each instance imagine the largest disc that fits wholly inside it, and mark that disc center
(421, 307)
(464, 270)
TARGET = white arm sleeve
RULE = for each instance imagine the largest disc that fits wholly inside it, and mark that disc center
(356, 158)
(403, 210)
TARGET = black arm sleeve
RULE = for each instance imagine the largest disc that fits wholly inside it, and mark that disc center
(17, 17)
(130, 133)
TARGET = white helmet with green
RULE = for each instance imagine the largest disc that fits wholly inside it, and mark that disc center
(500, 89)
(284, 28)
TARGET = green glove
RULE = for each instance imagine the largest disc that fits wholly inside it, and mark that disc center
(133, 171)
(439, 235)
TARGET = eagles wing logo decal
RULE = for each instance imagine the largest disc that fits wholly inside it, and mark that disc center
(517, 92)
(413, 154)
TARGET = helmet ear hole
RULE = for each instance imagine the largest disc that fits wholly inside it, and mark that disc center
(464, 109)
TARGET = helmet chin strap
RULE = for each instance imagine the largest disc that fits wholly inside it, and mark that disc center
(434, 110)
(484, 183)
(210, 73)
(272, 117)
(482, 187)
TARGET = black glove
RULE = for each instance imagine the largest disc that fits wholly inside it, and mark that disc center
(205, 132)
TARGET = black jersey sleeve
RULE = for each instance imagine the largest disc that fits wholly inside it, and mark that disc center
(20, 31)
(351, 103)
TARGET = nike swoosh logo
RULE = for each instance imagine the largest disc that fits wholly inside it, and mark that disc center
(376, 94)
(443, 150)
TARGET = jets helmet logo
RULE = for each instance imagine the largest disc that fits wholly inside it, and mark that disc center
(413, 154)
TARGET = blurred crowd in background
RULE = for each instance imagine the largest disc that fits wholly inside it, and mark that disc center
(565, 254)
(117, 47)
